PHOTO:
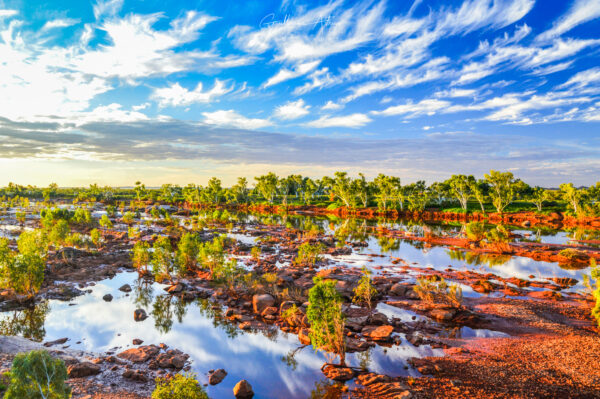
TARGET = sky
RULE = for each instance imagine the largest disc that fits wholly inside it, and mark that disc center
(115, 91)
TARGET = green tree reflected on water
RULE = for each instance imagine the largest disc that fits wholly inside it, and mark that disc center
(27, 323)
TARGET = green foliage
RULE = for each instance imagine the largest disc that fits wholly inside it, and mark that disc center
(58, 233)
(141, 256)
(105, 222)
(23, 272)
(309, 254)
(37, 375)
(212, 255)
(179, 387)
(326, 318)
(475, 231)
(290, 313)
(502, 189)
(187, 253)
(461, 188)
(95, 237)
(595, 273)
(364, 291)
(255, 253)
(573, 196)
(83, 216)
(434, 289)
(128, 217)
(498, 235)
(162, 258)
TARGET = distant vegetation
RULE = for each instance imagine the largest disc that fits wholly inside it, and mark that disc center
(496, 192)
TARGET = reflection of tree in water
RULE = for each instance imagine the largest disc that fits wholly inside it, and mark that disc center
(364, 359)
(216, 315)
(28, 323)
(351, 230)
(583, 234)
(326, 389)
(290, 357)
(142, 293)
(477, 259)
(166, 307)
(388, 244)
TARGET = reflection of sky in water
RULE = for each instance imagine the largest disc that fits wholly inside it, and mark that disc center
(253, 356)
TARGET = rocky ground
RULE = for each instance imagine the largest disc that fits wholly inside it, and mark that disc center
(552, 351)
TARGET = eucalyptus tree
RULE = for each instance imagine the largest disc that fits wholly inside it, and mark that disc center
(214, 190)
(240, 190)
(418, 196)
(387, 187)
(285, 188)
(342, 188)
(461, 186)
(502, 188)
(479, 189)
(191, 193)
(140, 190)
(169, 192)
(573, 196)
(266, 185)
(362, 189)
(439, 192)
(538, 196)
(309, 188)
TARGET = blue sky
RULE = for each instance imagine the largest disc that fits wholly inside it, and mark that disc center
(120, 90)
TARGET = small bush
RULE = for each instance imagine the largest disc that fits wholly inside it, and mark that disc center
(162, 258)
(141, 256)
(37, 375)
(308, 254)
(255, 253)
(364, 291)
(179, 387)
(434, 289)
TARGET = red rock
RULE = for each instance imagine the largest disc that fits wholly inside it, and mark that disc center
(141, 354)
(83, 369)
(380, 333)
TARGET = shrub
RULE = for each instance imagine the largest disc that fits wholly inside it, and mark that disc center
(24, 272)
(498, 235)
(475, 231)
(128, 218)
(255, 253)
(105, 222)
(162, 258)
(95, 237)
(595, 272)
(37, 375)
(212, 255)
(83, 216)
(58, 233)
(308, 254)
(326, 318)
(179, 387)
(364, 291)
(187, 253)
(141, 256)
(434, 289)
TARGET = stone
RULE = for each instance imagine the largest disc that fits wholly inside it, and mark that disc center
(141, 354)
(83, 369)
(260, 302)
(243, 390)
(303, 336)
(107, 297)
(216, 376)
(139, 315)
(135, 375)
(175, 289)
(137, 341)
(125, 288)
(380, 333)
(59, 341)
(442, 314)
(338, 373)
(378, 319)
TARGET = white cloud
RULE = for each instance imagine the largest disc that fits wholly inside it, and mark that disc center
(331, 106)
(107, 8)
(176, 95)
(456, 93)
(411, 110)
(60, 23)
(232, 119)
(580, 12)
(292, 110)
(287, 74)
(8, 13)
(353, 121)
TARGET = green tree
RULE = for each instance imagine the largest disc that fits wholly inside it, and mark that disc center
(214, 189)
(461, 188)
(266, 185)
(364, 291)
(105, 222)
(162, 258)
(479, 190)
(326, 318)
(502, 189)
(573, 196)
(386, 189)
(187, 254)
(343, 189)
(538, 197)
(37, 375)
(141, 256)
